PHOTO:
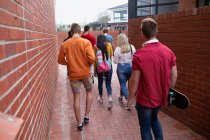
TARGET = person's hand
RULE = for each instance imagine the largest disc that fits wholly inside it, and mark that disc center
(92, 78)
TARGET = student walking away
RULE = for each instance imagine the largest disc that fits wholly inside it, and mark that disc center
(69, 36)
(154, 71)
(87, 35)
(103, 67)
(79, 57)
(123, 55)
(109, 38)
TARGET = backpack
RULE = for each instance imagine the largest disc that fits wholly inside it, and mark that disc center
(102, 65)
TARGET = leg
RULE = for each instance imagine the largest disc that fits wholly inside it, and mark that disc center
(87, 82)
(108, 76)
(128, 74)
(76, 106)
(120, 98)
(156, 126)
(121, 94)
(122, 80)
(144, 116)
(75, 86)
(124, 88)
(100, 84)
(89, 98)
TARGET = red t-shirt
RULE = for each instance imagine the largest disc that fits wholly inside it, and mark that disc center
(89, 37)
(154, 61)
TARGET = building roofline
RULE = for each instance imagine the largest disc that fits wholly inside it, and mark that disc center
(120, 6)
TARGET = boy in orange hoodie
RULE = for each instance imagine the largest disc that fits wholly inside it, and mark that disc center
(78, 55)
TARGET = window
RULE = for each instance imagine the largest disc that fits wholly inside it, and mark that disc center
(120, 15)
(119, 28)
(201, 3)
(152, 7)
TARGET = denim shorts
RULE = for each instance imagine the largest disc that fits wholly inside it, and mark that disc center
(76, 84)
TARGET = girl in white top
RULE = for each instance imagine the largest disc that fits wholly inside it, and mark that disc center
(123, 58)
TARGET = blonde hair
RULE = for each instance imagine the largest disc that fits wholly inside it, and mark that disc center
(122, 42)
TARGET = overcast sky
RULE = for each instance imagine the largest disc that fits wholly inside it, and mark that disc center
(82, 11)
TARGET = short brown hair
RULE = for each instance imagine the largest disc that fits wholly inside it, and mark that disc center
(75, 28)
(105, 31)
(149, 27)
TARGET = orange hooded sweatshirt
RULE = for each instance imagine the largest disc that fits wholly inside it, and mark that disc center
(77, 53)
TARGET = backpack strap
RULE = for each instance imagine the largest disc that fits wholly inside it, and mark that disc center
(131, 49)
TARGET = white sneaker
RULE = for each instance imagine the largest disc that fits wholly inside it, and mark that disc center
(110, 102)
(132, 105)
(100, 100)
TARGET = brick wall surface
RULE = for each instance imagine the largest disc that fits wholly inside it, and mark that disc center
(61, 36)
(27, 63)
(186, 4)
(187, 33)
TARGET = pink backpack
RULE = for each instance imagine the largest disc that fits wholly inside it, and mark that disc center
(102, 65)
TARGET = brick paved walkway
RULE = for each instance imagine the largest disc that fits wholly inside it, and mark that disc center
(117, 124)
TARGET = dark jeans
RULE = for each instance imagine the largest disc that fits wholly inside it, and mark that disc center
(124, 71)
(108, 76)
(148, 119)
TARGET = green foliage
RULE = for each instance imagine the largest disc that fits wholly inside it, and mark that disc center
(62, 28)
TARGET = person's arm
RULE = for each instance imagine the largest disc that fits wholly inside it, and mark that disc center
(133, 49)
(116, 56)
(95, 65)
(61, 56)
(111, 52)
(113, 48)
(173, 76)
(94, 40)
(133, 86)
(173, 71)
(89, 53)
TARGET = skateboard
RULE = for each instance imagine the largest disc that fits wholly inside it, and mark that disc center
(178, 99)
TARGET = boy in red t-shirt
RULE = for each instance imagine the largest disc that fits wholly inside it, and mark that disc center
(87, 35)
(154, 72)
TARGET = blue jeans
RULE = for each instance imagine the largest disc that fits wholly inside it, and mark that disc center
(124, 71)
(148, 119)
(108, 76)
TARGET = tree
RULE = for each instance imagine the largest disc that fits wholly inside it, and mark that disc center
(103, 18)
(62, 28)
(95, 25)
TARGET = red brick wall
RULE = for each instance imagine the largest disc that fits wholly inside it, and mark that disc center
(187, 4)
(61, 36)
(187, 33)
(27, 63)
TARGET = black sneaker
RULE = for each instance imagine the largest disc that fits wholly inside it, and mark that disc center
(86, 120)
(80, 127)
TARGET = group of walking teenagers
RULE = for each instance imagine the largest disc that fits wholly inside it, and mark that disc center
(149, 72)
